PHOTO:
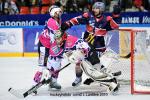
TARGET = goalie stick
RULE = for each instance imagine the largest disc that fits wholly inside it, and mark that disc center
(34, 88)
(128, 55)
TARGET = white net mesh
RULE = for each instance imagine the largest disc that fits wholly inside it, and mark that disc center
(123, 51)
(141, 64)
(142, 61)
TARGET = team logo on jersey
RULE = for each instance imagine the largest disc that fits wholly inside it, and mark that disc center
(91, 23)
(55, 49)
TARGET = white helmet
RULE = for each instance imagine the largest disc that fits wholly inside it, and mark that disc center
(53, 9)
(99, 5)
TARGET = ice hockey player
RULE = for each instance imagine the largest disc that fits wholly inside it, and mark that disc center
(97, 25)
(104, 76)
(45, 40)
(62, 43)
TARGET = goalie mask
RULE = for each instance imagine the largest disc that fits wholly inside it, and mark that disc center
(60, 37)
(55, 11)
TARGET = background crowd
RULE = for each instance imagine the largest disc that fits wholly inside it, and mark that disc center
(11, 7)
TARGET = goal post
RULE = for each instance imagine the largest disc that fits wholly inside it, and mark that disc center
(140, 62)
(134, 61)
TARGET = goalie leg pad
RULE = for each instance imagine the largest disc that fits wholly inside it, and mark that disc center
(91, 72)
(111, 84)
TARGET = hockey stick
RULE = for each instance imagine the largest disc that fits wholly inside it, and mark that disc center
(126, 56)
(34, 88)
(31, 90)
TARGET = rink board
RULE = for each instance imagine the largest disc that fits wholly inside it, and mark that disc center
(25, 40)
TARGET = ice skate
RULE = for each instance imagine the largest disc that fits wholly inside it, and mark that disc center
(77, 81)
(54, 85)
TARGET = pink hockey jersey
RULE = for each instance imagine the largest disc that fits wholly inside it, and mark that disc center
(46, 36)
(56, 51)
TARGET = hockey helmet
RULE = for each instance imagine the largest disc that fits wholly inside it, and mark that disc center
(99, 5)
(55, 9)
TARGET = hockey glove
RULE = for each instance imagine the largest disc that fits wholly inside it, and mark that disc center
(65, 26)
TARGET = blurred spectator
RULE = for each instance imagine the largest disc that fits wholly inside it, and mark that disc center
(78, 5)
(13, 9)
(4, 5)
(146, 4)
(71, 6)
(52, 2)
(133, 5)
(125, 4)
(112, 4)
(23, 3)
(35, 3)
(82, 5)
(14, 6)
(58, 3)
(62, 4)
(137, 5)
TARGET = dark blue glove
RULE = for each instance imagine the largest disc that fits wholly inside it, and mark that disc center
(64, 27)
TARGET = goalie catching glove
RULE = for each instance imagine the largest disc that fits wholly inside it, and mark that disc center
(80, 52)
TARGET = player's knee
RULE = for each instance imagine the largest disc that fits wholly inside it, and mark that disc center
(54, 72)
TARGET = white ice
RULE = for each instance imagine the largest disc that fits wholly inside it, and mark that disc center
(17, 72)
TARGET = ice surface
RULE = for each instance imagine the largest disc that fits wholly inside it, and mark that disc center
(17, 72)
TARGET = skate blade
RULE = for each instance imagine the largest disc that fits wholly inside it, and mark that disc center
(53, 89)
(77, 85)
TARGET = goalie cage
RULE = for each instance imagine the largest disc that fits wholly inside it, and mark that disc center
(134, 61)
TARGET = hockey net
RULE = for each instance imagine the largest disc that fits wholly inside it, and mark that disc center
(134, 61)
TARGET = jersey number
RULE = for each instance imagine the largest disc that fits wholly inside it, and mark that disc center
(90, 38)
